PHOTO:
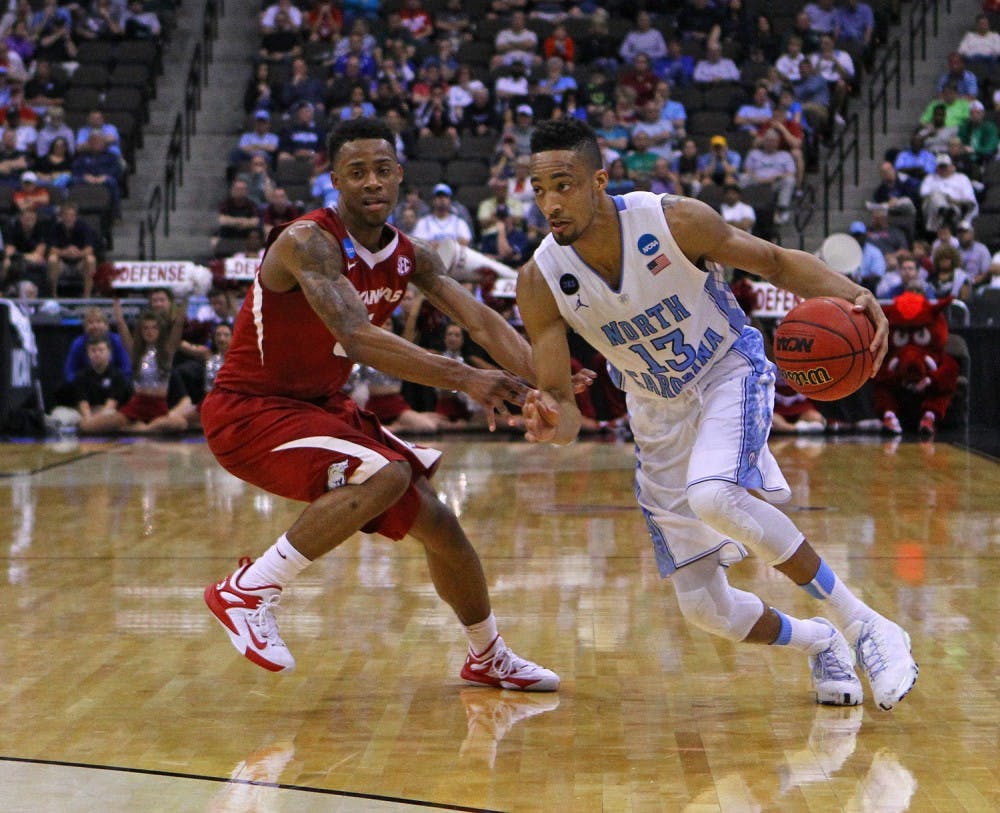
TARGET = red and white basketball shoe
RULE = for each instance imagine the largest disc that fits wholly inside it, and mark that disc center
(500, 668)
(247, 614)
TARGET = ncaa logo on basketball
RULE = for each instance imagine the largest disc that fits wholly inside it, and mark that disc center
(403, 266)
(648, 244)
(794, 344)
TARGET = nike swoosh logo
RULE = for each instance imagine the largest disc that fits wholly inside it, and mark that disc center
(261, 645)
(280, 554)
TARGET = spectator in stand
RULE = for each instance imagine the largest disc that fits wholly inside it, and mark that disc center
(948, 277)
(324, 21)
(981, 45)
(643, 39)
(720, 165)
(101, 387)
(95, 121)
(410, 199)
(302, 87)
(497, 206)
(357, 105)
(460, 90)
(25, 251)
(45, 88)
(12, 64)
(53, 127)
(455, 23)
(979, 134)
(31, 195)
(822, 16)
(964, 162)
(891, 240)
(442, 223)
(802, 28)
(73, 249)
(956, 110)
(434, 117)
(269, 17)
(407, 220)
(792, 135)
(964, 81)
(915, 161)
(663, 180)
(676, 67)
(139, 23)
(55, 168)
(258, 94)
(735, 210)
(282, 42)
(417, 20)
(756, 112)
(303, 137)
(764, 39)
(27, 134)
(52, 26)
(511, 85)
(620, 182)
(612, 133)
(854, 28)
(947, 195)
(258, 179)
(238, 216)
(697, 21)
(480, 117)
(279, 209)
(734, 27)
(683, 171)
(768, 164)
(837, 68)
(910, 277)
(95, 326)
(671, 110)
(975, 256)
(516, 43)
(506, 242)
(660, 131)
(556, 83)
(359, 40)
(559, 43)
(596, 47)
(321, 187)
(519, 184)
(101, 21)
(18, 39)
(788, 63)
(872, 268)
(15, 103)
(95, 165)
(715, 68)
(813, 93)
(12, 160)
(639, 77)
(641, 158)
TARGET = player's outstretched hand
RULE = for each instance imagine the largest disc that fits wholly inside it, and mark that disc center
(541, 416)
(866, 303)
(583, 379)
(492, 388)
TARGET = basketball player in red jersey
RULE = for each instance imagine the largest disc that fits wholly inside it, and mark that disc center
(277, 418)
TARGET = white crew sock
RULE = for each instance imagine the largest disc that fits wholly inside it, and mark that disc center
(482, 634)
(800, 634)
(845, 607)
(277, 566)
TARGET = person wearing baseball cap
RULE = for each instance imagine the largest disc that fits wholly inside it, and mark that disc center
(442, 223)
(31, 195)
(979, 134)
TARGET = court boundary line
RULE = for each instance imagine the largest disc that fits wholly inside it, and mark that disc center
(230, 781)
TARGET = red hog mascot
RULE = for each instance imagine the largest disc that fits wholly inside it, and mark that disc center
(918, 378)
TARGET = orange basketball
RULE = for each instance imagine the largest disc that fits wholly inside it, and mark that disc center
(821, 348)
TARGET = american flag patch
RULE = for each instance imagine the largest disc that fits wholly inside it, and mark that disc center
(658, 263)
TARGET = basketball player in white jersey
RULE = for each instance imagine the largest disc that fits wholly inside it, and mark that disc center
(627, 274)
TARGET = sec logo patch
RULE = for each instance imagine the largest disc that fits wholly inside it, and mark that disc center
(403, 266)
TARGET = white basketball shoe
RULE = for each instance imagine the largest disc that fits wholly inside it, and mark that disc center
(883, 652)
(832, 664)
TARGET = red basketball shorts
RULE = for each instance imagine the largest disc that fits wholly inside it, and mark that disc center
(301, 450)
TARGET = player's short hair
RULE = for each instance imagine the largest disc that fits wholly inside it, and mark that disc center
(355, 130)
(102, 339)
(568, 134)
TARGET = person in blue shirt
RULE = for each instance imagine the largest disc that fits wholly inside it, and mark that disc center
(872, 267)
(915, 161)
(95, 324)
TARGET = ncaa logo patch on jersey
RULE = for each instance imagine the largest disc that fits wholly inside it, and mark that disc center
(648, 244)
(569, 284)
(403, 266)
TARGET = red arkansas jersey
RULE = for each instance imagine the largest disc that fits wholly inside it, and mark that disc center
(281, 347)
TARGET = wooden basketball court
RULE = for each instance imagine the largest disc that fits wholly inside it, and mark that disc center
(119, 691)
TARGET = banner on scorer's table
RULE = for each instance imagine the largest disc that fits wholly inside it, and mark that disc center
(772, 302)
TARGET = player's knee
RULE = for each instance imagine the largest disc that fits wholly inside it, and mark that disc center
(708, 500)
(727, 508)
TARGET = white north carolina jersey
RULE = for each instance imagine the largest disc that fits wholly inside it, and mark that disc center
(668, 321)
